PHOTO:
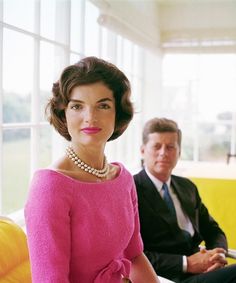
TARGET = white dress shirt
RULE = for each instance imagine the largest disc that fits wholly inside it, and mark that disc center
(182, 219)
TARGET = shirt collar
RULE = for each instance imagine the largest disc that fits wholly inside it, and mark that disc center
(158, 184)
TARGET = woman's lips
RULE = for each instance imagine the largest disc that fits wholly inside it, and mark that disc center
(91, 130)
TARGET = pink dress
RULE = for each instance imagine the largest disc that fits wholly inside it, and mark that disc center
(82, 232)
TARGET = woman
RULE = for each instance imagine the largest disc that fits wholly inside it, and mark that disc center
(81, 214)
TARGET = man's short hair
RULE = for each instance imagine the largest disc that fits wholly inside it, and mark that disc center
(161, 125)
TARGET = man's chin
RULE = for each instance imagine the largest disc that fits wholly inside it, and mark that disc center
(162, 170)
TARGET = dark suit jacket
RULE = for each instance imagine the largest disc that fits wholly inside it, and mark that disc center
(164, 243)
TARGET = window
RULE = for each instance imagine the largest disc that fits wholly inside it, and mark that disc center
(40, 38)
(199, 93)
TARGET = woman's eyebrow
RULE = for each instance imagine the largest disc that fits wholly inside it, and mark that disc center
(105, 99)
(100, 100)
(76, 100)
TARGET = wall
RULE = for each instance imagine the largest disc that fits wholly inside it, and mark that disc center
(136, 20)
(198, 21)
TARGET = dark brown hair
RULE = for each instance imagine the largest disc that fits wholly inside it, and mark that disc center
(87, 71)
(161, 125)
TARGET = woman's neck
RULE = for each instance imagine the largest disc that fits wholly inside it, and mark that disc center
(92, 156)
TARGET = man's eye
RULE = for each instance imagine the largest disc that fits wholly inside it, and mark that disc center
(170, 147)
(157, 147)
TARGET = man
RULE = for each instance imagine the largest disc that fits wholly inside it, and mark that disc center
(173, 219)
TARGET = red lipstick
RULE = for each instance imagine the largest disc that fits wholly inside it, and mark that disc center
(91, 130)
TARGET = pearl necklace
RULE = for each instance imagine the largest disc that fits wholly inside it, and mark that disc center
(82, 165)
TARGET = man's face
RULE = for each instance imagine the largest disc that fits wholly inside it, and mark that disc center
(161, 154)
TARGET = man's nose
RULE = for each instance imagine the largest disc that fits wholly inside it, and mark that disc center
(163, 150)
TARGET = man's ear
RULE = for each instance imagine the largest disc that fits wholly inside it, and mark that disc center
(142, 148)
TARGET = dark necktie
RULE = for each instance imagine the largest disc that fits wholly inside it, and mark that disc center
(168, 200)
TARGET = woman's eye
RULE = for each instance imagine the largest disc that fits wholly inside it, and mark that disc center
(76, 107)
(104, 106)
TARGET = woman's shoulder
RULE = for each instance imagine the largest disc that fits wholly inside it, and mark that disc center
(52, 175)
(48, 192)
(121, 166)
(45, 174)
(47, 179)
(50, 188)
(122, 172)
(56, 171)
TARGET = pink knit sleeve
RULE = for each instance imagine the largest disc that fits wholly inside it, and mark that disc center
(135, 246)
(47, 215)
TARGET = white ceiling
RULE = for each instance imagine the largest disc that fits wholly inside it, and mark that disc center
(166, 23)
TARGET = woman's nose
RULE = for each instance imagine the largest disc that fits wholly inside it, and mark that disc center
(90, 115)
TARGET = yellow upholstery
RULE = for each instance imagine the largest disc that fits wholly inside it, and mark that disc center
(14, 257)
(219, 196)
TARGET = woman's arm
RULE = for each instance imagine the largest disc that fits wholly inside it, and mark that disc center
(48, 230)
(142, 271)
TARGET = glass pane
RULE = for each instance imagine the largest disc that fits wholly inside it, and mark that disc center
(55, 20)
(16, 108)
(199, 81)
(201, 89)
(179, 100)
(136, 93)
(77, 24)
(47, 66)
(16, 168)
(17, 76)
(120, 51)
(138, 63)
(45, 146)
(74, 58)
(48, 18)
(128, 57)
(105, 43)
(217, 85)
(47, 70)
(91, 30)
(180, 67)
(188, 139)
(19, 13)
(216, 143)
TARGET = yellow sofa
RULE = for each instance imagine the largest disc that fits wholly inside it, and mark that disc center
(14, 257)
(219, 195)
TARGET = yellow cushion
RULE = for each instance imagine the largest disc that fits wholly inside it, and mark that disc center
(14, 257)
(219, 196)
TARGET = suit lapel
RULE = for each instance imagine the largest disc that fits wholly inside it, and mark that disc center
(155, 201)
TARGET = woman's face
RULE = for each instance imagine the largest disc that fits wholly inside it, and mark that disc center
(90, 114)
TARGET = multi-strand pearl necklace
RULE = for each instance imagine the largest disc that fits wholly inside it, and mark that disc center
(82, 165)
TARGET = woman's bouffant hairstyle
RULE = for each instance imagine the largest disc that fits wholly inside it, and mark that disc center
(161, 125)
(90, 70)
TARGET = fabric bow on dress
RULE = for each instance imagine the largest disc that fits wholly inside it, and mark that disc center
(114, 271)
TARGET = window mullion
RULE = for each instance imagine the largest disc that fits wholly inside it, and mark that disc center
(35, 137)
(233, 134)
(1, 101)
